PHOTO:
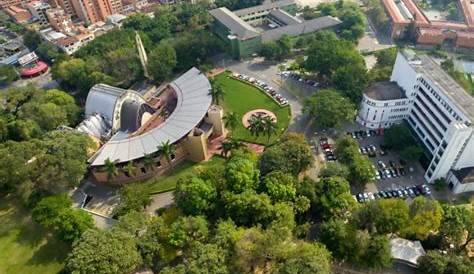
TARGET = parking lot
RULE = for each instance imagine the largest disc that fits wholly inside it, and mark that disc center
(393, 177)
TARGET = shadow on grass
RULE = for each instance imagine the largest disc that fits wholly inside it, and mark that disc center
(52, 251)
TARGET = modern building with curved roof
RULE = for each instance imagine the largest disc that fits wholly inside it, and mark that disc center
(182, 117)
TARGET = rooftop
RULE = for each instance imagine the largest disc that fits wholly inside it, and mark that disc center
(264, 7)
(193, 101)
(383, 91)
(303, 28)
(235, 24)
(465, 175)
(426, 66)
(406, 251)
(284, 17)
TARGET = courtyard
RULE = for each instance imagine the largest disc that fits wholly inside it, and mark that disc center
(241, 98)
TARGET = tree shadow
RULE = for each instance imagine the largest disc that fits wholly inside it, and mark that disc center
(52, 251)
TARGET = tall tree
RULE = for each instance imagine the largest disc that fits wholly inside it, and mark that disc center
(168, 150)
(217, 91)
(102, 251)
(231, 120)
(270, 127)
(329, 109)
(256, 126)
(161, 62)
(110, 167)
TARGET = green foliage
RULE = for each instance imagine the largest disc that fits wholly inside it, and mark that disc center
(351, 15)
(360, 167)
(384, 216)
(333, 169)
(280, 186)
(425, 218)
(31, 39)
(333, 198)
(55, 212)
(241, 174)
(399, 137)
(351, 81)
(8, 74)
(248, 208)
(101, 251)
(434, 262)
(277, 50)
(329, 109)
(357, 247)
(292, 155)
(133, 197)
(186, 231)
(456, 222)
(237, 4)
(195, 196)
(161, 62)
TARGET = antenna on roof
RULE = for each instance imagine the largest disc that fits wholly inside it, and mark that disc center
(142, 54)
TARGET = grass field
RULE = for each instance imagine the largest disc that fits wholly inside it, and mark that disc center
(241, 97)
(24, 246)
(168, 182)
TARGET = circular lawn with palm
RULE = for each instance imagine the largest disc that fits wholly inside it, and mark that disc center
(239, 98)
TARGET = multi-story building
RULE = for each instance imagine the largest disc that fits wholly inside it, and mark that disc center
(60, 21)
(8, 3)
(438, 110)
(242, 29)
(93, 11)
(18, 14)
(38, 10)
(66, 5)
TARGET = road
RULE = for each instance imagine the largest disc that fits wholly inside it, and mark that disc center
(44, 81)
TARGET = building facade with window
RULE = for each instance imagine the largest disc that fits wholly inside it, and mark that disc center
(438, 110)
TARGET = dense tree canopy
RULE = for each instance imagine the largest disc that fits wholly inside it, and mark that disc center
(333, 198)
(329, 109)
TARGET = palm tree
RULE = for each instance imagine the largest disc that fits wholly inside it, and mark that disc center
(167, 150)
(229, 145)
(231, 120)
(111, 169)
(148, 161)
(217, 92)
(256, 126)
(130, 169)
(270, 127)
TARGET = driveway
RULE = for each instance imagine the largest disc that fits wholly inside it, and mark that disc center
(160, 201)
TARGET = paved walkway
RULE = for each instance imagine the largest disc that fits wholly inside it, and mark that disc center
(159, 201)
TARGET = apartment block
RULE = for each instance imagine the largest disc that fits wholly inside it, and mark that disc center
(438, 110)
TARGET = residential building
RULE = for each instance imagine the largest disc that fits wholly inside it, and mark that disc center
(38, 10)
(437, 109)
(9, 3)
(66, 5)
(19, 15)
(243, 30)
(93, 11)
(60, 21)
(132, 126)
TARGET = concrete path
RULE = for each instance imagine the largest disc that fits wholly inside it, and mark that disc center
(159, 201)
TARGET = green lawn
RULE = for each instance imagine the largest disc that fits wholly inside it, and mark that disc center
(24, 246)
(241, 97)
(168, 182)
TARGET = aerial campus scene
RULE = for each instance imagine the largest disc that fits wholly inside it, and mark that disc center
(236, 136)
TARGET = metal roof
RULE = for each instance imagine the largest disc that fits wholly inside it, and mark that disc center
(102, 99)
(284, 17)
(264, 7)
(235, 24)
(303, 28)
(193, 101)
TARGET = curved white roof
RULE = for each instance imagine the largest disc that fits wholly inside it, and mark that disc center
(193, 101)
(102, 99)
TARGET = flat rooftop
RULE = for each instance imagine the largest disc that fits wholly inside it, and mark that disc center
(384, 91)
(264, 7)
(465, 175)
(426, 66)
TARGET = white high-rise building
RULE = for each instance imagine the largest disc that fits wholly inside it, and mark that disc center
(439, 111)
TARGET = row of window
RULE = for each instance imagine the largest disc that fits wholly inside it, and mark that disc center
(398, 109)
(438, 97)
(397, 117)
(431, 113)
(429, 121)
(446, 118)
